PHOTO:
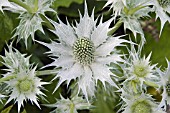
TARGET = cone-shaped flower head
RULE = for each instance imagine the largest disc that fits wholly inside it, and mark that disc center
(165, 83)
(30, 19)
(24, 85)
(140, 104)
(83, 52)
(139, 71)
(70, 105)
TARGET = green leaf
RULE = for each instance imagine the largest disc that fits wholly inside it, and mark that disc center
(7, 110)
(65, 3)
(160, 48)
(7, 25)
(24, 111)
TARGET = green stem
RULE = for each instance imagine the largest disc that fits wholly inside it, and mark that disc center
(152, 84)
(46, 72)
(25, 6)
(134, 86)
(132, 11)
(46, 22)
(35, 5)
(116, 26)
(72, 108)
(7, 78)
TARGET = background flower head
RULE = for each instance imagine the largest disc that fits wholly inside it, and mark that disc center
(23, 85)
(30, 17)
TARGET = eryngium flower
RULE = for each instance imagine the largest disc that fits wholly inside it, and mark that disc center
(165, 83)
(25, 86)
(83, 52)
(140, 104)
(30, 22)
(139, 71)
(70, 105)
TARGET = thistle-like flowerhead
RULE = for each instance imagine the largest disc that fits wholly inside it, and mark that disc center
(30, 20)
(139, 71)
(165, 84)
(83, 52)
(25, 87)
(142, 103)
(135, 10)
(70, 105)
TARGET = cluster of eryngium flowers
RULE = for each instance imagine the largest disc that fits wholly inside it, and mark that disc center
(83, 54)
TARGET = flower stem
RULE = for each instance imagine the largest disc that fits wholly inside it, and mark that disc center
(46, 72)
(7, 78)
(152, 84)
(116, 26)
(133, 10)
(25, 6)
(134, 86)
(35, 5)
(46, 22)
(72, 108)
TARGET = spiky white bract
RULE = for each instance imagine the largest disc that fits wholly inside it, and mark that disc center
(161, 9)
(67, 105)
(14, 60)
(130, 12)
(5, 3)
(25, 87)
(30, 22)
(135, 10)
(165, 83)
(139, 72)
(142, 103)
(83, 52)
(117, 6)
(1, 97)
(3, 91)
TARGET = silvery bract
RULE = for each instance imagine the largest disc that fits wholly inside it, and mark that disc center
(5, 3)
(162, 7)
(30, 21)
(15, 61)
(117, 5)
(83, 52)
